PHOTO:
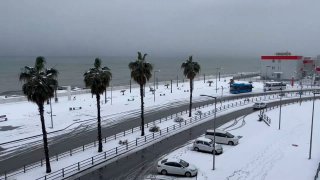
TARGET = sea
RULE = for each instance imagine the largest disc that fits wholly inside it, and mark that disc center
(71, 69)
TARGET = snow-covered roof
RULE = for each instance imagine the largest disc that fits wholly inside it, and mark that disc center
(204, 139)
(217, 130)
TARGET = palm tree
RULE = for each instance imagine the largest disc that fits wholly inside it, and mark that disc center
(98, 79)
(141, 73)
(39, 85)
(190, 70)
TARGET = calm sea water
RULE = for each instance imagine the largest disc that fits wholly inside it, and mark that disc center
(71, 69)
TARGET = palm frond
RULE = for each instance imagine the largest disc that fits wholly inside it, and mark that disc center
(141, 70)
(39, 82)
(190, 68)
(97, 78)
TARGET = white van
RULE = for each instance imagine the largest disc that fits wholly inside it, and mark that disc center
(222, 137)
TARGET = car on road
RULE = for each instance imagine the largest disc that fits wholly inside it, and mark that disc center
(259, 105)
(205, 144)
(222, 137)
(177, 167)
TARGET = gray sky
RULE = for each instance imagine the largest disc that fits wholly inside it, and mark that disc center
(159, 27)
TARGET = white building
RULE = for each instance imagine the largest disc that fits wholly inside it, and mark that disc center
(282, 66)
(309, 65)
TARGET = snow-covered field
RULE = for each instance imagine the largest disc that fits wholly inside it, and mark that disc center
(110, 145)
(263, 152)
(23, 117)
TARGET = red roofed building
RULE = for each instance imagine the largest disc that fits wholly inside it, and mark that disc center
(282, 66)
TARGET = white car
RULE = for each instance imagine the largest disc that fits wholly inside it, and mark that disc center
(222, 137)
(176, 166)
(259, 105)
(205, 144)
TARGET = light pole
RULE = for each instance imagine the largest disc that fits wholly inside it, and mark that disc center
(280, 107)
(51, 113)
(111, 94)
(217, 79)
(154, 84)
(214, 130)
(300, 92)
(221, 91)
(314, 97)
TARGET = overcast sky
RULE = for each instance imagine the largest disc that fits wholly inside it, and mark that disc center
(159, 27)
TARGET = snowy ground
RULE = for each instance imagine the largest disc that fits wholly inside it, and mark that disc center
(23, 117)
(263, 152)
(111, 144)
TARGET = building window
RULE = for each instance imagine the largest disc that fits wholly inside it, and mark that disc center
(273, 68)
(273, 60)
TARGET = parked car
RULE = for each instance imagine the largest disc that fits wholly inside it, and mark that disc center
(205, 144)
(222, 137)
(259, 105)
(176, 166)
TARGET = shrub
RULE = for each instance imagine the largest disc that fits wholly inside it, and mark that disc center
(154, 129)
(178, 119)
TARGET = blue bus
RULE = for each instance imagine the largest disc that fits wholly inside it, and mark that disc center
(237, 88)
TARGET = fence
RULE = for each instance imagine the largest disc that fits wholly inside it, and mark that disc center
(118, 151)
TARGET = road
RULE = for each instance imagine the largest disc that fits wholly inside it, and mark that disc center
(136, 165)
(65, 142)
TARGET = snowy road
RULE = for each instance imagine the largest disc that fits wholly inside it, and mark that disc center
(142, 163)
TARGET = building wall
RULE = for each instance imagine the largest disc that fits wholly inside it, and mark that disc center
(280, 69)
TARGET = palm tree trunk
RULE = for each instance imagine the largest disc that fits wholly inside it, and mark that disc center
(142, 110)
(99, 124)
(55, 95)
(45, 140)
(191, 89)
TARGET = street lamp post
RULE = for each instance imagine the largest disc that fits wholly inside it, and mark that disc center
(154, 84)
(214, 130)
(314, 97)
(300, 92)
(51, 113)
(280, 107)
(218, 69)
(221, 91)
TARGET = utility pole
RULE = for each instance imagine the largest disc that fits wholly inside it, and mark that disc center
(314, 97)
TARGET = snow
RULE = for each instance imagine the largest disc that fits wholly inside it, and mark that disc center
(23, 117)
(263, 152)
(111, 144)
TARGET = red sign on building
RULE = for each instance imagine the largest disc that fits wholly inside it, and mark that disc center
(307, 61)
